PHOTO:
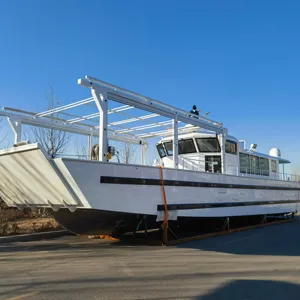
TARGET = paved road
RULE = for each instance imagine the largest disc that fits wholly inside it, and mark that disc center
(259, 264)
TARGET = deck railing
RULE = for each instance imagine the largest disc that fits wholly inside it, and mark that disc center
(250, 172)
(201, 165)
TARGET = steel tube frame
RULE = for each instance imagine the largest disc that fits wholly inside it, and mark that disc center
(147, 104)
(127, 97)
(77, 129)
(91, 80)
(16, 126)
(223, 160)
(101, 93)
(65, 107)
(96, 115)
(166, 133)
(101, 102)
(175, 142)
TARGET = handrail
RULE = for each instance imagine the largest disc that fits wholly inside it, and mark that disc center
(199, 164)
(236, 170)
(260, 172)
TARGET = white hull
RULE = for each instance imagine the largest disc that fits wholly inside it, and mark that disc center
(145, 198)
(28, 178)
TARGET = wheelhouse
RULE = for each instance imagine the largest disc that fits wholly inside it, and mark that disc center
(202, 151)
(196, 151)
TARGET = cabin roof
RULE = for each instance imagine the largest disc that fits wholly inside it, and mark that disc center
(192, 135)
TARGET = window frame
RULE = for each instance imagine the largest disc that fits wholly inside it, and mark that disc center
(267, 170)
(259, 171)
(160, 145)
(231, 142)
(208, 138)
(167, 143)
(256, 171)
(215, 158)
(189, 140)
(276, 169)
(248, 167)
(166, 148)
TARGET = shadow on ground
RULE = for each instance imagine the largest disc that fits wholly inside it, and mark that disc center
(280, 239)
(255, 290)
(234, 290)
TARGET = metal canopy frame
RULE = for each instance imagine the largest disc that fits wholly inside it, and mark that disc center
(96, 123)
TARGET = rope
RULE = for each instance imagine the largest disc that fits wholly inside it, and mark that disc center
(166, 219)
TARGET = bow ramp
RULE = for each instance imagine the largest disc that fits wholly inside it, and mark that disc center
(30, 178)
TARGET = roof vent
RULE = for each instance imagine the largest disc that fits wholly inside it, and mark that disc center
(275, 152)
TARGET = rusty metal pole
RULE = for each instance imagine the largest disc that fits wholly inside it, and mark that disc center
(165, 234)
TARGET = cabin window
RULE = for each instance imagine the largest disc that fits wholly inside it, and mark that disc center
(264, 166)
(273, 165)
(251, 164)
(254, 165)
(169, 148)
(184, 147)
(213, 164)
(244, 163)
(230, 147)
(161, 150)
(208, 145)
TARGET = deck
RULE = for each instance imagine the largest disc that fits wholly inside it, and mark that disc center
(262, 263)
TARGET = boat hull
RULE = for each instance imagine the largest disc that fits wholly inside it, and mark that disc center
(86, 195)
(97, 222)
(138, 190)
(100, 222)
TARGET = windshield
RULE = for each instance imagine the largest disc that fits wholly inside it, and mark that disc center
(184, 147)
(208, 145)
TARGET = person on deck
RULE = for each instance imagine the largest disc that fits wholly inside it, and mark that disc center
(194, 110)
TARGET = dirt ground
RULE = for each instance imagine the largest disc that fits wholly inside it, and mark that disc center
(13, 221)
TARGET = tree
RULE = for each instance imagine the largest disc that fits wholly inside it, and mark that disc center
(81, 150)
(54, 141)
(127, 153)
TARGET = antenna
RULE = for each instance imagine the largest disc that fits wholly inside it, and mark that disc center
(253, 147)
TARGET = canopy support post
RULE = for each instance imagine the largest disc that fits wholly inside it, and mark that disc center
(175, 142)
(101, 102)
(16, 127)
(223, 156)
(144, 153)
(90, 144)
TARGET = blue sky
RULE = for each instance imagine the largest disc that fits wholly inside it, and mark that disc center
(238, 59)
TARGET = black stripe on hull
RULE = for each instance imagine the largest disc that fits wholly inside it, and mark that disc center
(150, 181)
(223, 205)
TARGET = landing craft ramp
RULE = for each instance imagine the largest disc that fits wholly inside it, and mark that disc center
(29, 178)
